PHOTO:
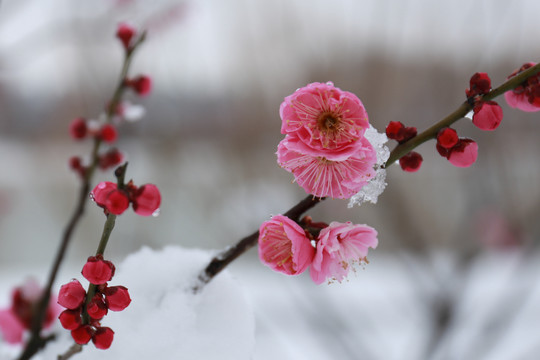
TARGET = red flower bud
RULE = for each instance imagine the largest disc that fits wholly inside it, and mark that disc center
(108, 133)
(393, 128)
(397, 131)
(70, 319)
(71, 295)
(82, 334)
(97, 308)
(103, 337)
(78, 129)
(111, 158)
(411, 162)
(480, 84)
(98, 271)
(117, 298)
(146, 200)
(447, 138)
(125, 33)
(107, 195)
(142, 85)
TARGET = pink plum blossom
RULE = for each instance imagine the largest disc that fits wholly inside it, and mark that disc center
(16, 319)
(525, 97)
(335, 176)
(339, 246)
(464, 153)
(284, 246)
(487, 115)
(325, 119)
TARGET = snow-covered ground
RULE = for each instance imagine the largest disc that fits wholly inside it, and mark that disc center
(385, 311)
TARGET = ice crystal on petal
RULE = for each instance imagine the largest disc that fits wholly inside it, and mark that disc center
(376, 185)
(378, 141)
(371, 191)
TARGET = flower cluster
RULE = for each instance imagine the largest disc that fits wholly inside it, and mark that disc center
(84, 311)
(287, 247)
(526, 96)
(16, 319)
(487, 115)
(115, 200)
(324, 145)
(395, 130)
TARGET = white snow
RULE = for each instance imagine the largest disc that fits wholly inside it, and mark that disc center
(375, 187)
(165, 320)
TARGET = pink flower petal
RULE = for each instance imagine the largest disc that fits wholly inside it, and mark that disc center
(339, 246)
(323, 177)
(11, 328)
(284, 246)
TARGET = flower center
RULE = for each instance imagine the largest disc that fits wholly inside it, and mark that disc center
(328, 122)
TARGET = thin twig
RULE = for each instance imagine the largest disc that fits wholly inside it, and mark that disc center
(74, 349)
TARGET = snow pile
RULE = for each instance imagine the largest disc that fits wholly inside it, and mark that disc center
(165, 320)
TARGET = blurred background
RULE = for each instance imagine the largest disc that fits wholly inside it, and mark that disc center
(455, 274)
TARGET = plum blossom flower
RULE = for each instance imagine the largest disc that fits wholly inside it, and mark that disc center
(284, 246)
(325, 118)
(339, 246)
(325, 147)
(16, 319)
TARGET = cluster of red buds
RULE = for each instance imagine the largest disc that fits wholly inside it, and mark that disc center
(487, 114)
(82, 128)
(142, 84)
(105, 129)
(115, 200)
(84, 311)
(395, 130)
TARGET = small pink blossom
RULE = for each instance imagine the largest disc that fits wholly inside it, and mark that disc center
(326, 119)
(487, 115)
(464, 153)
(339, 246)
(18, 318)
(334, 176)
(526, 96)
(11, 328)
(284, 246)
